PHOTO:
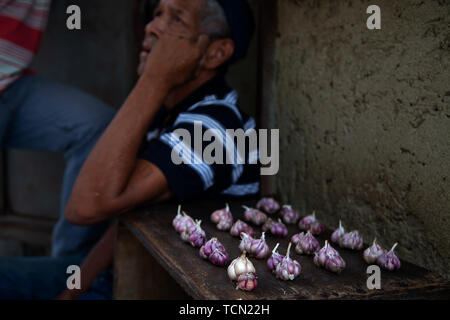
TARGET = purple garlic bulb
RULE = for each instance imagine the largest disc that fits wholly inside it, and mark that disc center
(316, 228)
(308, 244)
(182, 223)
(259, 248)
(279, 229)
(288, 269)
(296, 238)
(338, 233)
(240, 226)
(225, 224)
(274, 259)
(178, 218)
(246, 242)
(310, 223)
(255, 216)
(389, 260)
(329, 258)
(269, 205)
(221, 214)
(351, 240)
(189, 229)
(335, 263)
(372, 253)
(218, 257)
(211, 245)
(197, 237)
(267, 225)
(247, 281)
(289, 215)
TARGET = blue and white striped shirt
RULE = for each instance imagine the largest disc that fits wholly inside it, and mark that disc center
(212, 109)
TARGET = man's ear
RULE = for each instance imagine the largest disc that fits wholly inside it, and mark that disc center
(218, 52)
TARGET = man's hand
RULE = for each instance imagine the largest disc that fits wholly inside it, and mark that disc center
(174, 60)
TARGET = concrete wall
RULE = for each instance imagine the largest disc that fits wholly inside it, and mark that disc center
(369, 115)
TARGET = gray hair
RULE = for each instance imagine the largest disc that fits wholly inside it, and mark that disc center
(213, 20)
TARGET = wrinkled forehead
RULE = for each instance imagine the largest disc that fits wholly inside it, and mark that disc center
(187, 8)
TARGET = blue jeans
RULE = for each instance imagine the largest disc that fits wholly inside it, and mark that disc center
(44, 278)
(39, 114)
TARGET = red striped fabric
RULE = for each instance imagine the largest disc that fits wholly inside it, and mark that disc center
(22, 23)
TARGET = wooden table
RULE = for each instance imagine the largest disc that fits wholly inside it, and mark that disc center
(151, 262)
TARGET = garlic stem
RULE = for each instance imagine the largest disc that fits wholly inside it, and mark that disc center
(287, 206)
(340, 224)
(288, 249)
(179, 210)
(393, 247)
(314, 213)
(227, 207)
(275, 249)
(246, 208)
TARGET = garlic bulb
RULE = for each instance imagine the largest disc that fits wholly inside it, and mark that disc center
(178, 218)
(218, 257)
(274, 259)
(239, 266)
(288, 269)
(220, 214)
(222, 218)
(255, 216)
(189, 229)
(240, 226)
(279, 229)
(351, 240)
(338, 233)
(289, 215)
(372, 253)
(310, 223)
(182, 222)
(247, 281)
(246, 242)
(267, 225)
(329, 258)
(225, 224)
(269, 205)
(296, 238)
(259, 248)
(389, 260)
(198, 237)
(307, 244)
(209, 247)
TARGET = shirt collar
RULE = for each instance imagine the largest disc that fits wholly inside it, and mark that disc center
(216, 86)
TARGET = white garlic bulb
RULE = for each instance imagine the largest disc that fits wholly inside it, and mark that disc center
(239, 266)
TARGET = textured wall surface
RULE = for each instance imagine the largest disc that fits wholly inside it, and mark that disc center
(369, 115)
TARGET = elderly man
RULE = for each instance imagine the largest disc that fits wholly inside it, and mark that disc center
(187, 48)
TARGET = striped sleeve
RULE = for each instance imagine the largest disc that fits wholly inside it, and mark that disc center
(180, 153)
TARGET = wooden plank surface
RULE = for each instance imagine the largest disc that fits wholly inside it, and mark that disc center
(202, 280)
(137, 275)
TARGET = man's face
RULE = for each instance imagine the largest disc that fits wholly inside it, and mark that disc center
(176, 17)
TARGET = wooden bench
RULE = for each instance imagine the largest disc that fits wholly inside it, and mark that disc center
(151, 262)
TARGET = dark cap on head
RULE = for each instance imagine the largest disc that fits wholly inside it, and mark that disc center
(241, 23)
